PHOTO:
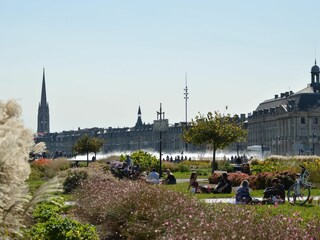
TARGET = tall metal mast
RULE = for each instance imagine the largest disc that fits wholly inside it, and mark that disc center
(186, 97)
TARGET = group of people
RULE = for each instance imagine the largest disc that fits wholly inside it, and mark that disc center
(223, 186)
(125, 169)
(271, 195)
(154, 178)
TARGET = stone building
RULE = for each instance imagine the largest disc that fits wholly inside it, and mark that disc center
(128, 139)
(289, 123)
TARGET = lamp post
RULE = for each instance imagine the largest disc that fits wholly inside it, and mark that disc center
(160, 125)
(313, 136)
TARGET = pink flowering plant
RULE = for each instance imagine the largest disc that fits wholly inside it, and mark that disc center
(123, 209)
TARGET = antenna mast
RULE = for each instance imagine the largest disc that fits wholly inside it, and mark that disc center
(186, 97)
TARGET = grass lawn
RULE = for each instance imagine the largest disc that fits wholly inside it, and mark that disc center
(306, 212)
(186, 175)
(183, 187)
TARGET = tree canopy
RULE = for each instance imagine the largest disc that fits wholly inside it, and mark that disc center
(215, 130)
(86, 144)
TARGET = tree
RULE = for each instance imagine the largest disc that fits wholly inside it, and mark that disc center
(97, 143)
(217, 131)
(87, 144)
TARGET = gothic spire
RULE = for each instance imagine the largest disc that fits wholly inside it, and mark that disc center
(43, 109)
(139, 120)
(43, 101)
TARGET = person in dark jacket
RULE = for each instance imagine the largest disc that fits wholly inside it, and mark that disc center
(170, 178)
(276, 193)
(224, 186)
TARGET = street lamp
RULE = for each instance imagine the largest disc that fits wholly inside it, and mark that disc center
(313, 136)
(160, 125)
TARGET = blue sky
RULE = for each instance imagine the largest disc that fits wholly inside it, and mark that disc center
(105, 58)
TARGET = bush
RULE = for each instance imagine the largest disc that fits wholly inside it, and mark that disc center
(224, 165)
(46, 168)
(37, 172)
(61, 228)
(235, 178)
(281, 164)
(75, 176)
(146, 160)
(258, 181)
(263, 180)
(172, 166)
(197, 164)
(46, 210)
(183, 168)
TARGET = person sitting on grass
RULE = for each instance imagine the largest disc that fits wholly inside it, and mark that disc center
(224, 186)
(246, 168)
(170, 178)
(153, 177)
(274, 194)
(243, 194)
(193, 183)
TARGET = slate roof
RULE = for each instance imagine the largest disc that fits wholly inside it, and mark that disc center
(304, 99)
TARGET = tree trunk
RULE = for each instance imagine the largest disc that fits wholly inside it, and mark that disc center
(213, 163)
(87, 159)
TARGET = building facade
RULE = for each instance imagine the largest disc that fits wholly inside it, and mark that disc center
(288, 124)
(128, 139)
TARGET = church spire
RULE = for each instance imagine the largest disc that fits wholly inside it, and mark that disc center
(139, 120)
(43, 109)
(43, 101)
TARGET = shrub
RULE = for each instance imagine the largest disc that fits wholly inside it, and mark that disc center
(258, 181)
(61, 228)
(146, 160)
(183, 168)
(224, 165)
(261, 180)
(46, 168)
(279, 163)
(46, 210)
(73, 179)
(37, 172)
(173, 167)
(235, 178)
(198, 163)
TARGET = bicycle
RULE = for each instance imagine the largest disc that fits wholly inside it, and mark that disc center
(299, 192)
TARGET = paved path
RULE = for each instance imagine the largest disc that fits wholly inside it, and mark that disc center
(201, 180)
(223, 200)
